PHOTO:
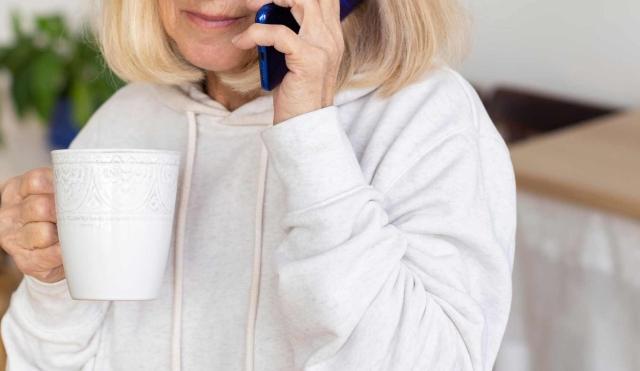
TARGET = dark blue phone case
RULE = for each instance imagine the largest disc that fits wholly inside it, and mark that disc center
(272, 63)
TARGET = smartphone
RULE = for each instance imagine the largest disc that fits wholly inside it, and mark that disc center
(272, 63)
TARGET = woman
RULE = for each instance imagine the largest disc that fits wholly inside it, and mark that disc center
(360, 217)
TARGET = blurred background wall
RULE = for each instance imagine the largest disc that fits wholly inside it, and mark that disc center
(74, 10)
(562, 47)
(587, 49)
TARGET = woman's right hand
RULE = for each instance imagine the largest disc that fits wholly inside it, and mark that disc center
(28, 225)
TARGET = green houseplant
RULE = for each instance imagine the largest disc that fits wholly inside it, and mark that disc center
(57, 74)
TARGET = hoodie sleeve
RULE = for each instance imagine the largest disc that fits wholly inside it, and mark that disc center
(413, 277)
(43, 328)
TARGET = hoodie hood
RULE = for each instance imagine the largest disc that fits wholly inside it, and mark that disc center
(190, 99)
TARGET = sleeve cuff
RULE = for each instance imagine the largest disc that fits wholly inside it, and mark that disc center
(313, 157)
(48, 307)
(55, 289)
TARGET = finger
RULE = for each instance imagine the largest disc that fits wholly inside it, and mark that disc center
(38, 208)
(53, 275)
(39, 262)
(254, 5)
(279, 36)
(331, 10)
(38, 235)
(331, 14)
(9, 219)
(306, 12)
(47, 258)
(3, 185)
(312, 20)
(36, 182)
(10, 192)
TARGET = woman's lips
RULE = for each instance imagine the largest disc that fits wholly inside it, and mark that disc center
(211, 21)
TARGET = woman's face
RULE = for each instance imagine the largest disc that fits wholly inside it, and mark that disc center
(202, 38)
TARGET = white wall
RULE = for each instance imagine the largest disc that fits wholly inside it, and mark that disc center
(588, 49)
(74, 10)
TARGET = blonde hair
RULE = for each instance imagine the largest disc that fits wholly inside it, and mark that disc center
(390, 43)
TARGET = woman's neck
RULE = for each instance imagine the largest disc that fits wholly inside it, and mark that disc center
(223, 94)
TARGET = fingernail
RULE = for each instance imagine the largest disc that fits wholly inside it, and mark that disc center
(235, 38)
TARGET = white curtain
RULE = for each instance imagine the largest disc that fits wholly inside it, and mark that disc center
(576, 293)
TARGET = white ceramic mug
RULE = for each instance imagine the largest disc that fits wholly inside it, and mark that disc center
(115, 210)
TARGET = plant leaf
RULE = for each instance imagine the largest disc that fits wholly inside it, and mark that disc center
(16, 25)
(81, 102)
(51, 63)
(4, 51)
(52, 25)
(18, 56)
(20, 92)
(1, 138)
(46, 82)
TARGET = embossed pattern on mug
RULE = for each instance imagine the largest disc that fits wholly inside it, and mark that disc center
(117, 186)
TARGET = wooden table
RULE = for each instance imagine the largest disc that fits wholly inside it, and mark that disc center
(576, 291)
(596, 164)
(10, 278)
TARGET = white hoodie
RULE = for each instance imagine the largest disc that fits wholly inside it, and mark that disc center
(373, 234)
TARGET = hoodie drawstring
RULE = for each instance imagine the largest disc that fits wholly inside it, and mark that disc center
(179, 249)
(180, 233)
(257, 262)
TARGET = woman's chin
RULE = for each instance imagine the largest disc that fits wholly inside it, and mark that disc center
(221, 60)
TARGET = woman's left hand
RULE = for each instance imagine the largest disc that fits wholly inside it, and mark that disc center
(313, 55)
